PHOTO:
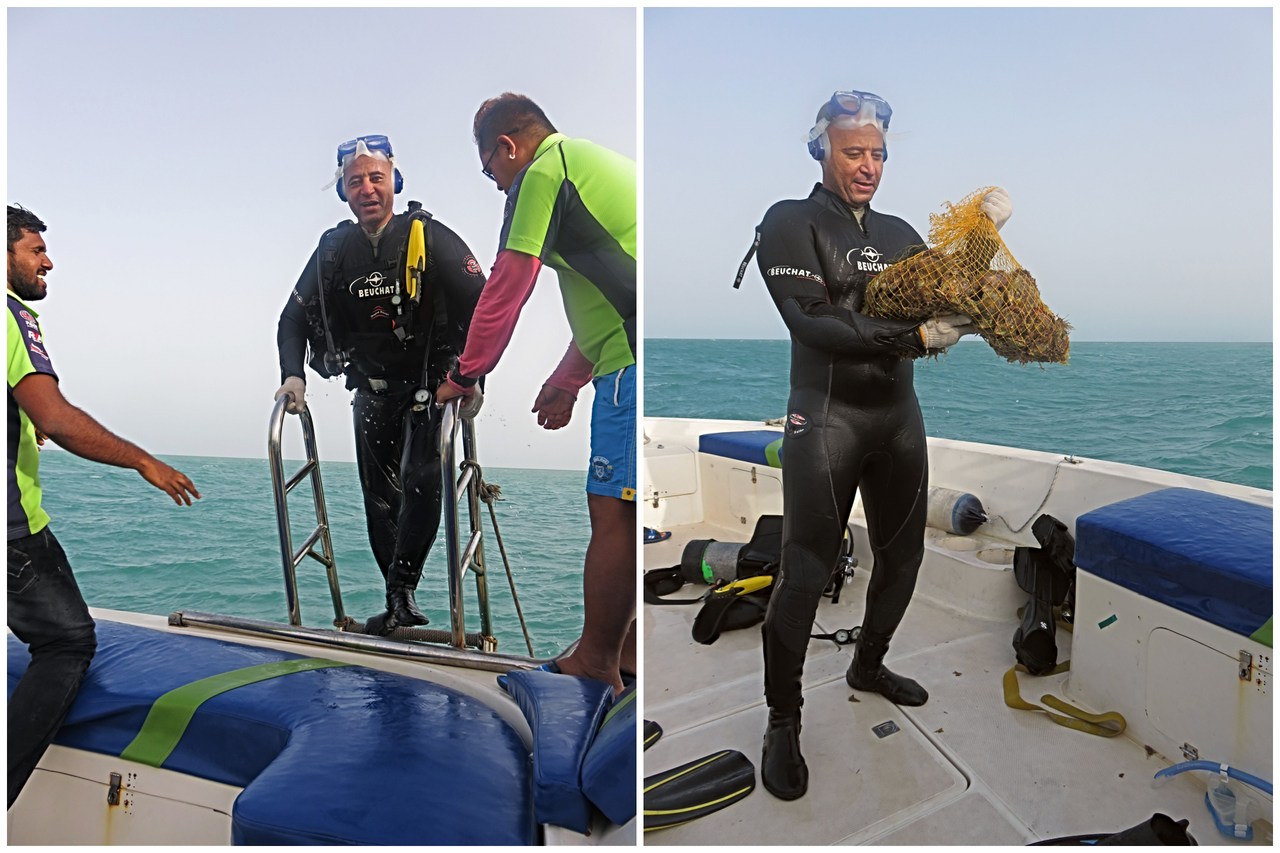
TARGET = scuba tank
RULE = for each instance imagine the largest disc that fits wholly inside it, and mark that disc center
(708, 561)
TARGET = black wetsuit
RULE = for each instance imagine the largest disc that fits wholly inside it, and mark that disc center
(853, 421)
(397, 449)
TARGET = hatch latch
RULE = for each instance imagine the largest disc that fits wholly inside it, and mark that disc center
(113, 790)
(1246, 666)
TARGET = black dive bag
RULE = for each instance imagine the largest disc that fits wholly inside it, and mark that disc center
(1048, 573)
(719, 564)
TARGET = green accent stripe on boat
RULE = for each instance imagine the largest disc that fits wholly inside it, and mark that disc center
(773, 453)
(171, 713)
(1263, 635)
(622, 703)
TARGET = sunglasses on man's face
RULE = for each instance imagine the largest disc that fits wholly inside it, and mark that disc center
(485, 169)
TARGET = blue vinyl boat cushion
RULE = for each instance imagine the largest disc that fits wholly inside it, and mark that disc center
(1204, 554)
(757, 446)
(564, 713)
(609, 769)
(347, 755)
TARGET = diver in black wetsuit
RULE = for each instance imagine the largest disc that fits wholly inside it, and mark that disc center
(853, 421)
(395, 340)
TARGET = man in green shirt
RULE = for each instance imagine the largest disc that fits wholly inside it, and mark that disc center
(45, 608)
(571, 205)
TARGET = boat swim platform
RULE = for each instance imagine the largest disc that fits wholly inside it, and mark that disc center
(211, 740)
(963, 769)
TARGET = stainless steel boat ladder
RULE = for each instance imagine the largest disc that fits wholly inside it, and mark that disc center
(461, 478)
(469, 554)
(464, 547)
(320, 535)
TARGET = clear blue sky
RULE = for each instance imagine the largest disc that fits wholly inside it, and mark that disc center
(1136, 145)
(178, 155)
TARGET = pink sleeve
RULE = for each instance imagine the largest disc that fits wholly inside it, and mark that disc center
(573, 371)
(494, 320)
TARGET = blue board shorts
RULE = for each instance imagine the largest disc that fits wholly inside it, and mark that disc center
(611, 471)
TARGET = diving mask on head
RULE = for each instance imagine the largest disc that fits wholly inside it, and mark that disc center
(846, 110)
(376, 146)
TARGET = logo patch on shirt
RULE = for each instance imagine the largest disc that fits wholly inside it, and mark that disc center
(797, 425)
(35, 336)
(796, 272)
(373, 285)
(471, 265)
(26, 315)
(379, 313)
(870, 259)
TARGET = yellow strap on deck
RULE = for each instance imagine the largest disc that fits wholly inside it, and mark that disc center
(1108, 724)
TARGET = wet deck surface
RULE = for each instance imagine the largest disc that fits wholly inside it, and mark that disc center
(962, 769)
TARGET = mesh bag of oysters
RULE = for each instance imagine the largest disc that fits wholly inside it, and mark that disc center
(968, 270)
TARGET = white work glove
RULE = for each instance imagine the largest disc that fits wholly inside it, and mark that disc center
(942, 332)
(296, 390)
(470, 404)
(997, 206)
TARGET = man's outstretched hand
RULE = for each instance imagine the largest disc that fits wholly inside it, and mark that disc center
(169, 480)
(554, 407)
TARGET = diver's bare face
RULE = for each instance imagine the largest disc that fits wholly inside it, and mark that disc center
(370, 186)
(853, 168)
(28, 263)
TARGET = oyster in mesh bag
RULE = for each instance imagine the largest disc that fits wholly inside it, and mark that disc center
(969, 270)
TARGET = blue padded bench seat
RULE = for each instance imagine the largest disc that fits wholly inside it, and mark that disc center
(757, 446)
(1201, 553)
(609, 769)
(343, 755)
(584, 747)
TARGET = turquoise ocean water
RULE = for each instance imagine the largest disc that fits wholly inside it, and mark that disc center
(1200, 409)
(132, 549)
(1203, 409)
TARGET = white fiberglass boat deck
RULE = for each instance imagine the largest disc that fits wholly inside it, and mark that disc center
(964, 768)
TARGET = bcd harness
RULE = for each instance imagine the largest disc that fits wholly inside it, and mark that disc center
(406, 295)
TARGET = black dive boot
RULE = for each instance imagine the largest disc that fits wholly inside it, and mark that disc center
(782, 767)
(402, 611)
(867, 672)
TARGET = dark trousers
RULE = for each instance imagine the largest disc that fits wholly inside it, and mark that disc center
(47, 612)
(398, 457)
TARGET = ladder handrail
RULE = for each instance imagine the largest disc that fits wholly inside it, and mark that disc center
(459, 555)
(280, 489)
(459, 475)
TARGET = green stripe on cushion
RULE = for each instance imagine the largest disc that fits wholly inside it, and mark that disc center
(171, 713)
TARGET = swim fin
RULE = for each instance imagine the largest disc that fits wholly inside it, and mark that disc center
(652, 731)
(697, 789)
